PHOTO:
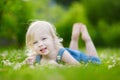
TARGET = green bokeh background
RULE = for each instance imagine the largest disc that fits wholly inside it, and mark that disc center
(100, 16)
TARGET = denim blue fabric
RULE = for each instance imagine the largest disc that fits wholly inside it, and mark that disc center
(78, 55)
(38, 58)
(60, 54)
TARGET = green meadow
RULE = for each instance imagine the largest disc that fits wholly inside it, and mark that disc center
(11, 68)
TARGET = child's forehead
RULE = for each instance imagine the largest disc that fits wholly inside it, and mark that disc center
(40, 35)
(39, 29)
(42, 32)
(43, 29)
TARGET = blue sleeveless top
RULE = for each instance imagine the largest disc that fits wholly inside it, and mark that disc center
(78, 55)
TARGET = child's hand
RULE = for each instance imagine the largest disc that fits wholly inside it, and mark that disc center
(30, 60)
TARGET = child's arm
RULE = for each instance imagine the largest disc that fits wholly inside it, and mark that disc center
(68, 59)
(30, 60)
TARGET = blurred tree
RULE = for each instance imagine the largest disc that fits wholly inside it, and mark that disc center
(99, 15)
(13, 19)
(104, 16)
(107, 10)
(66, 3)
(75, 13)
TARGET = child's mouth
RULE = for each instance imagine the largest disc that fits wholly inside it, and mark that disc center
(43, 50)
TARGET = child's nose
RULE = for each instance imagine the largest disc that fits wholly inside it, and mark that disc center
(40, 44)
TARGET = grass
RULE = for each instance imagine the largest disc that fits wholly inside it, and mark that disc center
(10, 68)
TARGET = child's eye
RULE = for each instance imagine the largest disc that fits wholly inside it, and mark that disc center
(35, 42)
(44, 38)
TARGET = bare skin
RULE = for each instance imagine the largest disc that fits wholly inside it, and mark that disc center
(78, 29)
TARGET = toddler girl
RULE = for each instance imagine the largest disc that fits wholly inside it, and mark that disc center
(46, 48)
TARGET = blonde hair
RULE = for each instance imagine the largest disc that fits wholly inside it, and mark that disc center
(37, 25)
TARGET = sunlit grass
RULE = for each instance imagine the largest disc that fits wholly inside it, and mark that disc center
(12, 68)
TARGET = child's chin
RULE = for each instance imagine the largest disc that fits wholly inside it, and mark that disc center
(44, 53)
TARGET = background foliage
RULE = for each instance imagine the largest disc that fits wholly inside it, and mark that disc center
(101, 18)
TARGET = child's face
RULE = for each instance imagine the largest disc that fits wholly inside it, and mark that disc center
(43, 42)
